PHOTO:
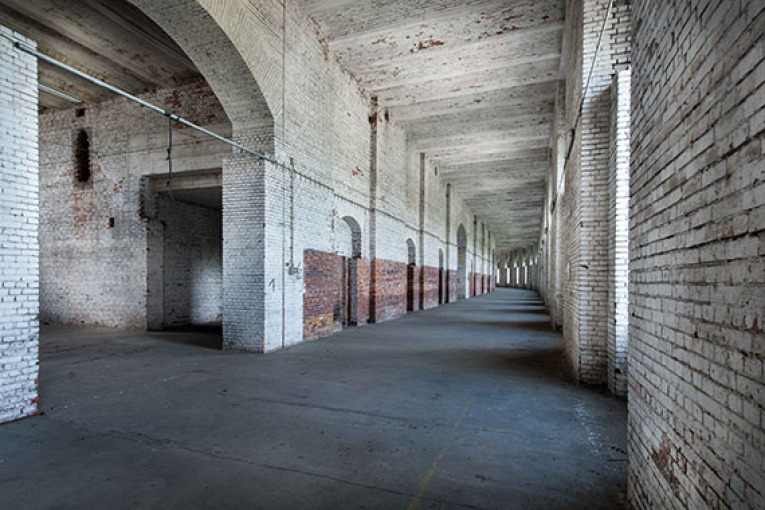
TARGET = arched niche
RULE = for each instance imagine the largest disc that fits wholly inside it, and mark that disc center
(462, 283)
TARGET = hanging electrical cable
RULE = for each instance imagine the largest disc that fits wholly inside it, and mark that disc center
(170, 158)
(584, 95)
(22, 46)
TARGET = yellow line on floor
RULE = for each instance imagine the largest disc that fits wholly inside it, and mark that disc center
(432, 471)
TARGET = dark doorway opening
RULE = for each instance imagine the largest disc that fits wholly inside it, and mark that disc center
(440, 277)
(410, 274)
(184, 261)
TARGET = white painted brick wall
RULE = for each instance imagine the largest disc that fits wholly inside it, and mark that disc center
(93, 274)
(323, 121)
(19, 249)
(555, 244)
(585, 202)
(311, 111)
(697, 256)
(192, 263)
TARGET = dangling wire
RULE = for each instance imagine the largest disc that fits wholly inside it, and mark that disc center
(170, 158)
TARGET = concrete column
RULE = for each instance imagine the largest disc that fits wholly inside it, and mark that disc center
(19, 245)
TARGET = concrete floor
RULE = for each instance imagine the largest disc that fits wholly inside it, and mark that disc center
(465, 406)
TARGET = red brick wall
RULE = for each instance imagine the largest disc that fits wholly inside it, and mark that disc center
(323, 275)
(416, 289)
(390, 290)
(430, 287)
(452, 285)
(323, 284)
(362, 291)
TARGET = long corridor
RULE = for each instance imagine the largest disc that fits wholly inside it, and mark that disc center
(465, 406)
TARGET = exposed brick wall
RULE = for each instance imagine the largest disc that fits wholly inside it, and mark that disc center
(555, 243)
(697, 256)
(453, 284)
(358, 160)
(192, 267)
(430, 288)
(390, 290)
(326, 301)
(19, 249)
(323, 291)
(592, 228)
(585, 201)
(93, 235)
(569, 203)
(244, 277)
(316, 115)
(414, 289)
(322, 274)
(362, 291)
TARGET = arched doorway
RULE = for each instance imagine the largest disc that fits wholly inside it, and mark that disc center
(461, 263)
(173, 275)
(234, 82)
(440, 277)
(411, 268)
(349, 249)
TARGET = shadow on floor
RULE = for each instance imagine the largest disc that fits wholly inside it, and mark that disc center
(459, 407)
(522, 363)
(209, 335)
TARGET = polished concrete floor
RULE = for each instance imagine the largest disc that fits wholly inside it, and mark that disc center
(465, 406)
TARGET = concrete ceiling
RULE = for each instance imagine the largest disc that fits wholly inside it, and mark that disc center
(473, 82)
(108, 39)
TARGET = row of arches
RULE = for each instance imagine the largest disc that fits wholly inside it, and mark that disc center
(414, 299)
(424, 286)
(518, 269)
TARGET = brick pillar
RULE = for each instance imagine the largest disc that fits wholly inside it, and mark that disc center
(618, 233)
(448, 272)
(420, 296)
(373, 263)
(697, 256)
(585, 328)
(555, 238)
(19, 247)
(244, 243)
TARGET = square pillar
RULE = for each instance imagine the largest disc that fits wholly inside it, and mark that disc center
(244, 246)
(19, 245)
